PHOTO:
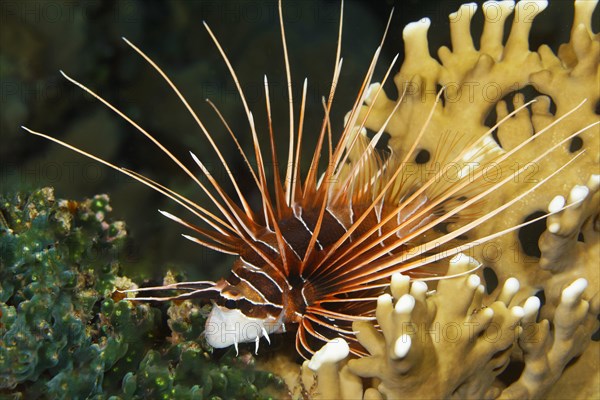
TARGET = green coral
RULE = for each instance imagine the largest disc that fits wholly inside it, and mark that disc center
(66, 334)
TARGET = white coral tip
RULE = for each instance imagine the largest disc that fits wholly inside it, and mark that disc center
(413, 28)
(531, 306)
(509, 289)
(384, 299)
(465, 7)
(418, 288)
(370, 93)
(578, 193)
(517, 312)
(594, 182)
(556, 204)
(346, 118)
(554, 227)
(456, 259)
(511, 286)
(473, 281)
(462, 260)
(398, 278)
(572, 292)
(488, 312)
(402, 346)
(405, 304)
(334, 351)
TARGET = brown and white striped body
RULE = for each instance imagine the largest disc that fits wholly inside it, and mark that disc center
(257, 300)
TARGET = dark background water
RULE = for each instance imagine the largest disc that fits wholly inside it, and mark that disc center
(83, 38)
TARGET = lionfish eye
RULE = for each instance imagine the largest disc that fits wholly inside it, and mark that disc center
(231, 304)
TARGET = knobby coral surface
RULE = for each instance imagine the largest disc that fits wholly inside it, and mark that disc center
(515, 330)
(429, 347)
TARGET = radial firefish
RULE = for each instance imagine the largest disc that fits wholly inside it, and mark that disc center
(324, 246)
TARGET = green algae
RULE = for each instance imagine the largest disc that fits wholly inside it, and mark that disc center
(66, 333)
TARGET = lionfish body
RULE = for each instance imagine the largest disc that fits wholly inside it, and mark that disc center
(323, 248)
(258, 299)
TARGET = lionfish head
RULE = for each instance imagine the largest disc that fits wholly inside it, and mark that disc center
(227, 325)
(241, 314)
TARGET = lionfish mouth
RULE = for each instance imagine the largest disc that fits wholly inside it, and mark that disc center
(321, 250)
